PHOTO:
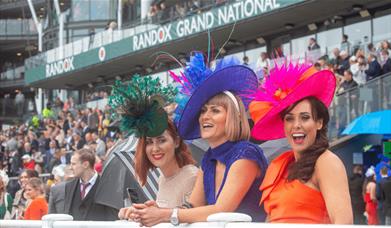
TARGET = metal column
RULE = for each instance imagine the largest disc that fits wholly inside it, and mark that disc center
(37, 23)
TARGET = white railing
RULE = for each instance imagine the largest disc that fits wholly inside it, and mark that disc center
(100, 104)
(126, 224)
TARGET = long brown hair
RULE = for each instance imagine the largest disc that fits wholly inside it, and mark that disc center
(143, 165)
(304, 167)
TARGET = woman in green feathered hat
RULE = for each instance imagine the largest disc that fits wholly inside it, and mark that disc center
(140, 108)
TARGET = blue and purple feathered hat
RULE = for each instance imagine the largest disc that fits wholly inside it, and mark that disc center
(198, 84)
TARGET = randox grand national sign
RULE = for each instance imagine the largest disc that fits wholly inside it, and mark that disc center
(216, 17)
(202, 22)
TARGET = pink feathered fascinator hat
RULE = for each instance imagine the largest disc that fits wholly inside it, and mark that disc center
(286, 85)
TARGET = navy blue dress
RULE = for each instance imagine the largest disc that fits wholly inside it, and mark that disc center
(227, 153)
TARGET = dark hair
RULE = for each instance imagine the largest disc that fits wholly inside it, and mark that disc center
(345, 36)
(349, 72)
(86, 155)
(367, 180)
(142, 164)
(30, 173)
(304, 167)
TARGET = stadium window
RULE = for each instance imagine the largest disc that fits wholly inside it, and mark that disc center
(100, 10)
(359, 33)
(381, 28)
(299, 47)
(329, 39)
(253, 56)
(3, 25)
(80, 10)
(14, 27)
(286, 49)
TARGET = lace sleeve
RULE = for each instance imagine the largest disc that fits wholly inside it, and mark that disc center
(249, 151)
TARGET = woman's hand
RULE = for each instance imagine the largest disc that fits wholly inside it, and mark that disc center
(122, 212)
(150, 216)
(151, 203)
(128, 213)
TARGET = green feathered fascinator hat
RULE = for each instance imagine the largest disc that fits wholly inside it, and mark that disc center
(139, 105)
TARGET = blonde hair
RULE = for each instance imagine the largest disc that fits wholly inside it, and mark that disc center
(37, 184)
(236, 124)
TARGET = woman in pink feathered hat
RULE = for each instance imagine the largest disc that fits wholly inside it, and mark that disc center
(307, 184)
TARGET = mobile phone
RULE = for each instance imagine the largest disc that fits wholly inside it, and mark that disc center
(132, 195)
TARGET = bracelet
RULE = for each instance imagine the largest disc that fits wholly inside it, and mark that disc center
(187, 205)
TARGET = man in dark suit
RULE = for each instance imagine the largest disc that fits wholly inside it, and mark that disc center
(374, 68)
(385, 197)
(85, 129)
(313, 45)
(80, 192)
(78, 141)
(387, 62)
(356, 181)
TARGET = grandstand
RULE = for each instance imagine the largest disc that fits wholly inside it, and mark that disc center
(90, 55)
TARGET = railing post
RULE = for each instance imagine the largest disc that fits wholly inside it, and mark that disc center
(348, 106)
(48, 220)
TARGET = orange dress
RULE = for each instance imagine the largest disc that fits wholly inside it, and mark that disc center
(290, 202)
(37, 209)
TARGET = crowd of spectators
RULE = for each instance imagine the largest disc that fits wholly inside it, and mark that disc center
(96, 95)
(8, 65)
(353, 65)
(159, 12)
(49, 143)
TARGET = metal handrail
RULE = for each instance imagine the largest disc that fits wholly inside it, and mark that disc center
(374, 95)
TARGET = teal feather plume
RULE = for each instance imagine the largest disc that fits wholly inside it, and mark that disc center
(139, 104)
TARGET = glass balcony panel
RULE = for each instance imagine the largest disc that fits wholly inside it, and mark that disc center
(253, 56)
(341, 112)
(3, 26)
(97, 40)
(19, 72)
(386, 91)
(78, 47)
(107, 37)
(374, 104)
(359, 33)
(100, 10)
(14, 27)
(68, 50)
(87, 43)
(80, 10)
(329, 39)
(51, 55)
(381, 28)
(117, 35)
(299, 47)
